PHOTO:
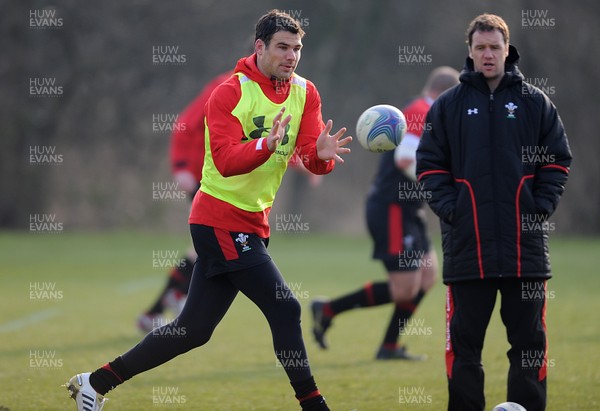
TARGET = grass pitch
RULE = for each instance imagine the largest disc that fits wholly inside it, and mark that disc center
(70, 301)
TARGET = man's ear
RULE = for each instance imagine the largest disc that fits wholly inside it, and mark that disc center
(259, 46)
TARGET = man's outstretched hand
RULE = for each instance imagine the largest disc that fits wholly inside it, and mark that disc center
(331, 146)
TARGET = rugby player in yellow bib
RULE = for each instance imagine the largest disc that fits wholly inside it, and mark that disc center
(255, 121)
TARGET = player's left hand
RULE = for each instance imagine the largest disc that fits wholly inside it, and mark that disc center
(330, 146)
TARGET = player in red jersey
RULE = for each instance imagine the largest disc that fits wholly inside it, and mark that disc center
(395, 217)
(187, 158)
(255, 122)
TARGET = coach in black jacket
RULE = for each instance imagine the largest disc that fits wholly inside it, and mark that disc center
(495, 160)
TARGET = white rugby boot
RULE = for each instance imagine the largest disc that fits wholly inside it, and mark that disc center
(86, 398)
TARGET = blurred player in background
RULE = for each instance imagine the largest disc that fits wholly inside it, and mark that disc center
(472, 162)
(395, 218)
(250, 139)
(187, 158)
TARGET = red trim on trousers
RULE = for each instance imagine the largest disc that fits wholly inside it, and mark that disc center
(226, 244)
(449, 315)
(395, 230)
(544, 370)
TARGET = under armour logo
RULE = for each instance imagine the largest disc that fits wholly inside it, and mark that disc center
(472, 111)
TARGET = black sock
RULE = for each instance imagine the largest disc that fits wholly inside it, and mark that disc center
(179, 279)
(109, 376)
(309, 396)
(400, 317)
(370, 295)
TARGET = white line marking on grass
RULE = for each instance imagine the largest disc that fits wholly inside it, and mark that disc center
(28, 320)
(145, 283)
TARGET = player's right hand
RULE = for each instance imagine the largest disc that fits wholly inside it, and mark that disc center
(278, 130)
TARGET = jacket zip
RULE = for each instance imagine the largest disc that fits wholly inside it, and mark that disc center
(494, 174)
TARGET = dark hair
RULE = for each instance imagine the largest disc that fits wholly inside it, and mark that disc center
(274, 21)
(488, 22)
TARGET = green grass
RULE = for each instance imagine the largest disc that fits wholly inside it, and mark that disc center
(105, 280)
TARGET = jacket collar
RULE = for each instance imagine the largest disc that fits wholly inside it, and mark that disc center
(512, 73)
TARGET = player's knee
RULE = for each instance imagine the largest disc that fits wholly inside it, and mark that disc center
(428, 281)
(293, 309)
(287, 311)
(200, 336)
(404, 286)
(404, 294)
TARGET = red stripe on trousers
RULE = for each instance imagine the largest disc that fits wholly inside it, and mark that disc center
(395, 230)
(226, 244)
(544, 370)
(369, 293)
(449, 315)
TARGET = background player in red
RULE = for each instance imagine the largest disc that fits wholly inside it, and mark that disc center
(395, 218)
(187, 158)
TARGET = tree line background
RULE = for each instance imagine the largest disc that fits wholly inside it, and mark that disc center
(102, 118)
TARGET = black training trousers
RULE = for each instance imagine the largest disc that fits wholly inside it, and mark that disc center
(207, 302)
(469, 306)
